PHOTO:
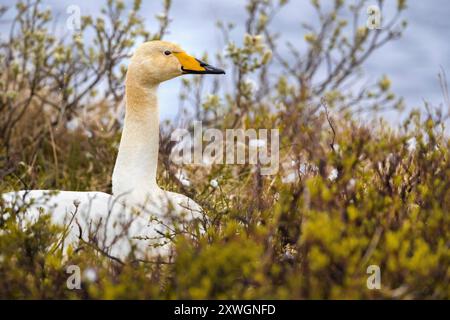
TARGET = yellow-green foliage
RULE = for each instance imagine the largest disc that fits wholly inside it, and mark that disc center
(313, 236)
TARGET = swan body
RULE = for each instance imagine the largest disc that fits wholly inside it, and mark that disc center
(110, 223)
(138, 208)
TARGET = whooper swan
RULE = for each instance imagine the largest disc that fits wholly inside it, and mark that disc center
(134, 183)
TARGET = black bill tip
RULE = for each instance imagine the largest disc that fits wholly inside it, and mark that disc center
(209, 69)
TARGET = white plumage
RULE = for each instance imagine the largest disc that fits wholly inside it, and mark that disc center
(138, 212)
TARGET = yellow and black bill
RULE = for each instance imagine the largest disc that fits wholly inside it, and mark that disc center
(190, 65)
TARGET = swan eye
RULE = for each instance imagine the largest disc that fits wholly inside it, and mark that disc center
(167, 52)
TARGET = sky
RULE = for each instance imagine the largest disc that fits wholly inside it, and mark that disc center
(413, 62)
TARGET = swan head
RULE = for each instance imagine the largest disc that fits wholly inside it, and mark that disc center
(158, 61)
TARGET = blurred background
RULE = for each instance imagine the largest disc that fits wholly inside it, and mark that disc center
(413, 61)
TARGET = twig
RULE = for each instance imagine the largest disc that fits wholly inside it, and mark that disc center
(324, 104)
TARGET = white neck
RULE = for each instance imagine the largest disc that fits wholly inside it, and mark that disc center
(137, 160)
